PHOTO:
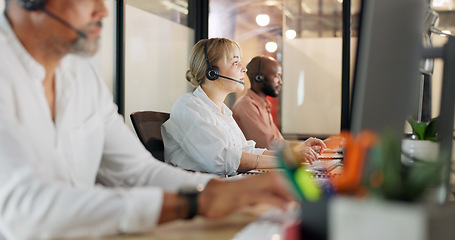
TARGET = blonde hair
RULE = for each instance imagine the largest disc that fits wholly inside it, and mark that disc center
(217, 48)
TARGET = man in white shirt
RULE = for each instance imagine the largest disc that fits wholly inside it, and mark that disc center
(60, 133)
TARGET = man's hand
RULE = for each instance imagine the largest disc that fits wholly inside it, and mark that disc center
(316, 144)
(221, 198)
(310, 148)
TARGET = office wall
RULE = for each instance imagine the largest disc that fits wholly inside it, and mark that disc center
(156, 56)
(311, 92)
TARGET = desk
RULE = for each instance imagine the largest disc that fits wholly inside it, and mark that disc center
(201, 228)
(198, 228)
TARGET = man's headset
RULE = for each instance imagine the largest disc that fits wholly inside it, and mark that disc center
(259, 77)
(32, 5)
(35, 5)
(213, 73)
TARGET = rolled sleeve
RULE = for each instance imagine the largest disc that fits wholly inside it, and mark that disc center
(233, 156)
(250, 147)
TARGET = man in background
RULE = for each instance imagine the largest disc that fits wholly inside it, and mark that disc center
(252, 110)
(60, 134)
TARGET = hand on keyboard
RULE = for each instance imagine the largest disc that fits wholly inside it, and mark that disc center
(270, 225)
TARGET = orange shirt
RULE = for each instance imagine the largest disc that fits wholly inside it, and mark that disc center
(252, 114)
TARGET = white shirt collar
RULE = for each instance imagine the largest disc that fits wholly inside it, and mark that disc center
(199, 93)
(35, 70)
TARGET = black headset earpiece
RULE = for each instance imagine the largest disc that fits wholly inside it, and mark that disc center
(32, 5)
(259, 77)
(212, 73)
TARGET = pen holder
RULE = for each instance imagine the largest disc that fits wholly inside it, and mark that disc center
(314, 220)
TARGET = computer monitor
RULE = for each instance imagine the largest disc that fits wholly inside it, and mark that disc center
(386, 77)
(386, 80)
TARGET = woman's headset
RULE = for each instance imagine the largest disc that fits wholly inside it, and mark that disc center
(212, 73)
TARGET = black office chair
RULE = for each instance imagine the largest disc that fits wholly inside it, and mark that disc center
(147, 125)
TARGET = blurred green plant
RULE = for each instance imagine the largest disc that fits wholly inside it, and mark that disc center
(388, 178)
(425, 130)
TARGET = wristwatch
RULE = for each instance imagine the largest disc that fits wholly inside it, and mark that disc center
(190, 194)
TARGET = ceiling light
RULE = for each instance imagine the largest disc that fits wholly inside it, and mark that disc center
(440, 3)
(272, 3)
(290, 34)
(262, 19)
(271, 47)
(175, 6)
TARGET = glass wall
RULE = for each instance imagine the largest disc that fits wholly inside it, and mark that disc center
(104, 58)
(238, 20)
(307, 39)
(444, 24)
(157, 47)
(311, 94)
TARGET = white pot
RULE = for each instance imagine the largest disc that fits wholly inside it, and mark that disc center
(423, 150)
(357, 219)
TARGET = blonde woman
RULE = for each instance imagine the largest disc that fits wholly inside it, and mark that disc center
(201, 134)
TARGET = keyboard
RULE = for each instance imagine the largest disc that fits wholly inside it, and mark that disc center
(323, 165)
(272, 224)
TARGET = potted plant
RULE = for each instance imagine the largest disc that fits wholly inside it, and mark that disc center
(423, 145)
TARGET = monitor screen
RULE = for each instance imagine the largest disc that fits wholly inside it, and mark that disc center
(386, 77)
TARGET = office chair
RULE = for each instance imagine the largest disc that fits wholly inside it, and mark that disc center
(147, 125)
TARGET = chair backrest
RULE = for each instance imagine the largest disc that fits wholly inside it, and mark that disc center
(147, 125)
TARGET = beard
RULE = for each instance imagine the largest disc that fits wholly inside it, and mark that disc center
(82, 46)
(269, 90)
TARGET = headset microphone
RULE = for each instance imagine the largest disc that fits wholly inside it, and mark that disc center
(213, 73)
(35, 5)
(228, 78)
(79, 32)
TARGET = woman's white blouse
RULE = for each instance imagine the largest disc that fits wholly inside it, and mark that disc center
(201, 137)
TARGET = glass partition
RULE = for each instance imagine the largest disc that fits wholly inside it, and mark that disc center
(104, 58)
(444, 24)
(312, 55)
(241, 21)
(157, 48)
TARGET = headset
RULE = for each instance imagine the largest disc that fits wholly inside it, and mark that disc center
(35, 5)
(213, 73)
(259, 77)
(32, 5)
